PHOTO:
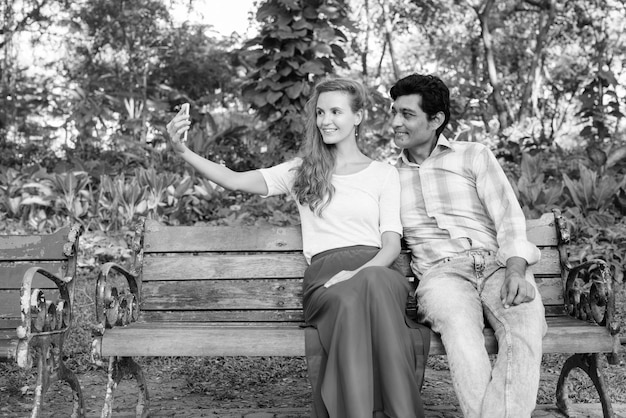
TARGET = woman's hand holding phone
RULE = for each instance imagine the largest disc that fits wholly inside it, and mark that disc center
(177, 128)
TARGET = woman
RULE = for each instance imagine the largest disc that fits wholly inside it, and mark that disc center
(349, 210)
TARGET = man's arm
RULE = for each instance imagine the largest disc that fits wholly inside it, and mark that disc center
(498, 197)
(514, 249)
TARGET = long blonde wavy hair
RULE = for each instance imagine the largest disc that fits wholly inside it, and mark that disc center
(312, 185)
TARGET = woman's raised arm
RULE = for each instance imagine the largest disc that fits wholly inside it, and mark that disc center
(246, 181)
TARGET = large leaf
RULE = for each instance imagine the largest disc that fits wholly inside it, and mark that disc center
(616, 156)
(312, 67)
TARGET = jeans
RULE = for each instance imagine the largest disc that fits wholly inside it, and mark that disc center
(455, 296)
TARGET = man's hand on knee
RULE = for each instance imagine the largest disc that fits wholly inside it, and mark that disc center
(516, 289)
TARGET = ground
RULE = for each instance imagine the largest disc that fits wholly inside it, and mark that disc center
(231, 387)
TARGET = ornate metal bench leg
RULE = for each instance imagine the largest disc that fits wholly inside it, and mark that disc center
(589, 364)
(113, 378)
(50, 369)
(79, 403)
(118, 368)
(43, 377)
(143, 402)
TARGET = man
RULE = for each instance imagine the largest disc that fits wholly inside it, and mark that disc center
(467, 235)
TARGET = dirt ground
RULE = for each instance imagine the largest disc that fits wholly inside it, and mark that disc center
(176, 392)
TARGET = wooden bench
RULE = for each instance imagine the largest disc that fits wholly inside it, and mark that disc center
(236, 291)
(37, 279)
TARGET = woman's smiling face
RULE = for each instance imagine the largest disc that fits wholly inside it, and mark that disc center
(335, 118)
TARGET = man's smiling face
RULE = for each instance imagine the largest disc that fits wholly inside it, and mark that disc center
(412, 127)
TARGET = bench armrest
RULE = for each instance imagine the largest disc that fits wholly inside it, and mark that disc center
(589, 296)
(40, 317)
(114, 307)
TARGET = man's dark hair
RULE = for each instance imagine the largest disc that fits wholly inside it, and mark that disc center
(433, 91)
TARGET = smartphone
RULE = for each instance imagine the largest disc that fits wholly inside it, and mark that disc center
(185, 108)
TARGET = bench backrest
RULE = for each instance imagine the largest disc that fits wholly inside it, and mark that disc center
(254, 274)
(18, 253)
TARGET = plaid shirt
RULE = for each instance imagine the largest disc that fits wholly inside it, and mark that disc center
(469, 205)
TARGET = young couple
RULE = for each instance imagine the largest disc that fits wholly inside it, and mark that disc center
(457, 212)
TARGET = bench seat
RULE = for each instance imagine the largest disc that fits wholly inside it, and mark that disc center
(198, 339)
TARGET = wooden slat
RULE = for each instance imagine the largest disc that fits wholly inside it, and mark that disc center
(276, 294)
(570, 335)
(10, 302)
(548, 265)
(542, 231)
(182, 339)
(223, 294)
(225, 316)
(288, 315)
(7, 349)
(565, 335)
(8, 333)
(551, 291)
(159, 238)
(10, 324)
(270, 265)
(224, 266)
(555, 310)
(12, 274)
(33, 247)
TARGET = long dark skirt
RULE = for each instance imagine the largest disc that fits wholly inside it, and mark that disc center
(374, 356)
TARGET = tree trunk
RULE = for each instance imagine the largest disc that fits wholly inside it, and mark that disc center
(380, 61)
(530, 99)
(483, 11)
(144, 113)
(7, 73)
(389, 25)
(368, 29)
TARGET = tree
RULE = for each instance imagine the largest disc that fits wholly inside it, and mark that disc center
(22, 94)
(300, 41)
(117, 60)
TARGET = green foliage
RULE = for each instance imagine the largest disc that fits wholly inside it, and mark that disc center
(300, 41)
(599, 117)
(535, 194)
(46, 201)
(593, 191)
(599, 235)
(196, 68)
(589, 199)
(73, 197)
(11, 182)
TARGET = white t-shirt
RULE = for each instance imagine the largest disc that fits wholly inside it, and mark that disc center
(365, 204)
